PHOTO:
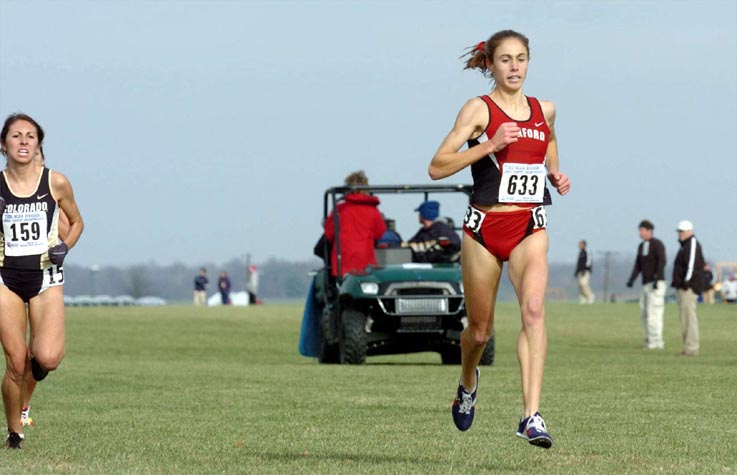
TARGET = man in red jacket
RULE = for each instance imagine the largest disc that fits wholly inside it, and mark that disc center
(361, 225)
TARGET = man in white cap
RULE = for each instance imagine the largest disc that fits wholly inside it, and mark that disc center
(688, 280)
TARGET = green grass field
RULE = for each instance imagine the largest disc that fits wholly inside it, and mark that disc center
(223, 390)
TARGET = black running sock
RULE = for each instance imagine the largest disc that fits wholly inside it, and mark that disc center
(38, 372)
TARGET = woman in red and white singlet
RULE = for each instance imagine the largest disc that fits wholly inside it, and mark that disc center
(512, 150)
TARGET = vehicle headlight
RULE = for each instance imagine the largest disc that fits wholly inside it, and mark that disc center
(460, 285)
(371, 288)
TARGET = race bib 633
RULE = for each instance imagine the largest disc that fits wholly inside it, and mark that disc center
(522, 183)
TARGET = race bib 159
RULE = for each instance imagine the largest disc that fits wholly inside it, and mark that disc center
(25, 233)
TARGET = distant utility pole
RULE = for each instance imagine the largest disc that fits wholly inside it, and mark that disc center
(606, 268)
(607, 259)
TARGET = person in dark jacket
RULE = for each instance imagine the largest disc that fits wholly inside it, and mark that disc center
(200, 288)
(688, 280)
(583, 274)
(436, 241)
(650, 262)
(361, 225)
(224, 288)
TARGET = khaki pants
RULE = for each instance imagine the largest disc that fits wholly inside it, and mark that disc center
(689, 322)
(652, 302)
(585, 295)
(708, 295)
(200, 298)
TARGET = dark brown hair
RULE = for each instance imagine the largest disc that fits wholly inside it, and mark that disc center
(478, 54)
(12, 119)
(646, 224)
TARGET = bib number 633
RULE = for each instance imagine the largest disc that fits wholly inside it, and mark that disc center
(522, 183)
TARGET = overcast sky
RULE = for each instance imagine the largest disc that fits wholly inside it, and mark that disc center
(199, 131)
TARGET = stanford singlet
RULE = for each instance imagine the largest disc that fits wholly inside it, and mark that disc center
(30, 225)
(515, 174)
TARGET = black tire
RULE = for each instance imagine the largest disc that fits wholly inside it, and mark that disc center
(451, 355)
(352, 337)
(487, 358)
(328, 353)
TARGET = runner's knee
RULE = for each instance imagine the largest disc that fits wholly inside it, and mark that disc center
(15, 368)
(49, 360)
(533, 311)
(478, 336)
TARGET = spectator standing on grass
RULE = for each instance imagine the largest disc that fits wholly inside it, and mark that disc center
(252, 279)
(583, 274)
(224, 288)
(650, 262)
(688, 280)
(200, 288)
(31, 273)
(512, 150)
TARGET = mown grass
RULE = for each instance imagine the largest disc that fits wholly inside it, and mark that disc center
(223, 390)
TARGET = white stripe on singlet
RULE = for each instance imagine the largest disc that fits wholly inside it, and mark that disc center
(483, 138)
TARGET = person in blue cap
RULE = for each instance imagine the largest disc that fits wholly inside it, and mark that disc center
(436, 241)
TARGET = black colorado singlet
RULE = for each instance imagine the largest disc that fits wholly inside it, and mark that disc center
(30, 225)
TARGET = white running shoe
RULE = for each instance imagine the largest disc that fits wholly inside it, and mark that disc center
(25, 417)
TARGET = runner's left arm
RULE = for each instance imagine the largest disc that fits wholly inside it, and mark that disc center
(64, 195)
(558, 179)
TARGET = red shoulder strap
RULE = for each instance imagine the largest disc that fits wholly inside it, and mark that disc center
(489, 105)
(533, 100)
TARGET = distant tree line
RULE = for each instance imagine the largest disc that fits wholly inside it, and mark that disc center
(280, 279)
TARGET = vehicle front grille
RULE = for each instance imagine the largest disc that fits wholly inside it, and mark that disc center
(421, 298)
(422, 291)
(422, 306)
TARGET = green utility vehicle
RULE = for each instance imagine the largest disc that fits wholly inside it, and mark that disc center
(397, 306)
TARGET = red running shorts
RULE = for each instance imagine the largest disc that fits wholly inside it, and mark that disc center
(501, 232)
